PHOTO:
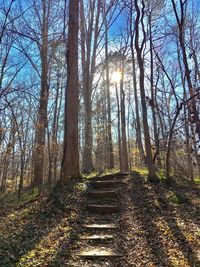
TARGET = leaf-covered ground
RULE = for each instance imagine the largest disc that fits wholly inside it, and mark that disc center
(162, 223)
(159, 226)
(33, 233)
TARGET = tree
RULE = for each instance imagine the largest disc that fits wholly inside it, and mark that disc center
(89, 42)
(123, 119)
(41, 124)
(139, 49)
(70, 161)
(181, 20)
(109, 127)
(41, 37)
(135, 87)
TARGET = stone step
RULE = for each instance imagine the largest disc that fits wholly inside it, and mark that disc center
(103, 209)
(105, 177)
(101, 194)
(123, 173)
(100, 226)
(97, 237)
(102, 201)
(98, 253)
(103, 184)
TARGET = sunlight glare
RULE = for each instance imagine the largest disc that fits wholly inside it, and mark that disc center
(116, 76)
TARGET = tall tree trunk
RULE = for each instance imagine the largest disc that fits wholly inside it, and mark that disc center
(88, 140)
(100, 159)
(41, 123)
(70, 162)
(149, 159)
(187, 122)
(119, 130)
(188, 146)
(153, 102)
(137, 113)
(110, 144)
(89, 42)
(52, 140)
(138, 125)
(129, 132)
(123, 123)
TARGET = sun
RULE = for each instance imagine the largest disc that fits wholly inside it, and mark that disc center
(116, 76)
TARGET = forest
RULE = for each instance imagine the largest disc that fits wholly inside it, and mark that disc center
(100, 133)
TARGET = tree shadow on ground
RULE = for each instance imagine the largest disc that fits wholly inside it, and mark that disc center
(144, 199)
(10, 201)
(40, 220)
(65, 251)
(184, 209)
(146, 215)
(187, 191)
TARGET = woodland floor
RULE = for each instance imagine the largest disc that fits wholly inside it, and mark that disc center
(159, 225)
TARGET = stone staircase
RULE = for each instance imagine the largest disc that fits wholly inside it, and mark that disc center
(102, 204)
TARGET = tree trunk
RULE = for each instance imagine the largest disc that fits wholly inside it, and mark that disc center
(110, 145)
(100, 157)
(153, 102)
(41, 124)
(123, 123)
(137, 113)
(52, 138)
(186, 117)
(89, 43)
(119, 131)
(70, 162)
(149, 159)
(188, 146)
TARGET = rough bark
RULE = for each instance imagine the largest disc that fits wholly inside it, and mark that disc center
(123, 123)
(99, 153)
(137, 113)
(89, 41)
(155, 128)
(187, 124)
(109, 127)
(70, 162)
(41, 123)
(139, 48)
(119, 130)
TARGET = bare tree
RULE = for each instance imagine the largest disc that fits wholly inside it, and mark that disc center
(181, 20)
(139, 49)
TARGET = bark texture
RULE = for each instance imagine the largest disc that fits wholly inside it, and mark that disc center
(139, 48)
(70, 162)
